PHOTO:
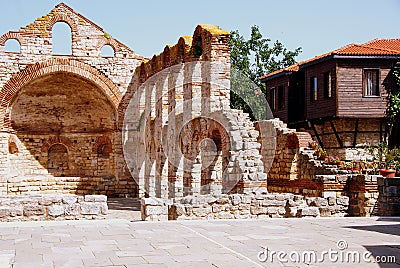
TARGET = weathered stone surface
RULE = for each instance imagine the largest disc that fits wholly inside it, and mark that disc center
(72, 209)
(95, 198)
(156, 210)
(69, 199)
(235, 199)
(56, 210)
(310, 211)
(342, 200)
(90, 208)
(31, 210)
(202, 212)
(332, 200)
(5, 212)
(275, 203)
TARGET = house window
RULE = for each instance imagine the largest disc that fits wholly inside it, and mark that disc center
(272, 98)
(313, 88)
(327, 85)
(371, 82)
(281, 97)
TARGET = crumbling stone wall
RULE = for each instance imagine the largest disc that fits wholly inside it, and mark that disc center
(388, 203)
(62, 116)
(291, 167)
(52, 207)
(243, 206)
(184, 138)
(59, 113)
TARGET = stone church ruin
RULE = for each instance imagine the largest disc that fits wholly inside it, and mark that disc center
(78, 127)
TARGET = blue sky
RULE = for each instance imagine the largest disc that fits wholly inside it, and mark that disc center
(318, 26)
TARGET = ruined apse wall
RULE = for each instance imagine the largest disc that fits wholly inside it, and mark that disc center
(79, 150)
(184, 138)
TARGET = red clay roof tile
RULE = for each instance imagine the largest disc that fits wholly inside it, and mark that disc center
(374, 47)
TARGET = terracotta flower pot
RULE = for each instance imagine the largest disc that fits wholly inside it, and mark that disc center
(388, 173)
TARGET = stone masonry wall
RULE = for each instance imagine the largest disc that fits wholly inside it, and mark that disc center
(290, 166)
(34, 114)
(68, 185)
(239, 206)
(52, 207)
(179, 115)
(389, 197)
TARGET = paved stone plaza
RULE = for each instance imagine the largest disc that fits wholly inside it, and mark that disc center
(124, 243)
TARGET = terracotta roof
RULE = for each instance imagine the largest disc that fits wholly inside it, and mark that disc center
(392, 44)
(376, 47)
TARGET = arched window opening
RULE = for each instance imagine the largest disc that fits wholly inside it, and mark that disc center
(12, 148)
(107, 51)
(57, 160)
(12, 45)
(104, 150)
(62, 39)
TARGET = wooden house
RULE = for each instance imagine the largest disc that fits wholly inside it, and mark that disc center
(340, 96)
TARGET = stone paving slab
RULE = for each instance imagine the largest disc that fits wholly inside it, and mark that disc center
(235, 243)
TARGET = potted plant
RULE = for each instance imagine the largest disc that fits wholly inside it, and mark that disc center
(314, 145)
(355, 165)
(324, 156)
(318, 152)
(396, 160)
(385, 158)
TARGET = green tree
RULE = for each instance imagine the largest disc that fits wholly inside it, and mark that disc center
(254, 58)
(393, 111)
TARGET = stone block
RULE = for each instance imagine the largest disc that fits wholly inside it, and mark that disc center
(332, 200)
(90, 208)
(72, 209)
(95, 198)
(317, 201)
(325, 211)
(16, 211)
(329, 194)
(104, 209)
(202, 211)
(392, 191)
(342, 200)
(258, 210)
(5, 212)
(298, 198)
(47, 200)
(33, 210)
(56, 210)
(222, 200)
(292, 212)
(310, 211)
(156, 210)
(272, 210)
(284, 197)
(246, 199)
(273, 203)
(178, 209)
(69, 199)
(281, 210)
(235, 199)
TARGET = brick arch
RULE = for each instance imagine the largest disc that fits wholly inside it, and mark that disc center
(57, 140)
(62, 18)
(12, 35)
(14, 139)
(298, 140)
(100, 141)
(111, 42)
(11, 88)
